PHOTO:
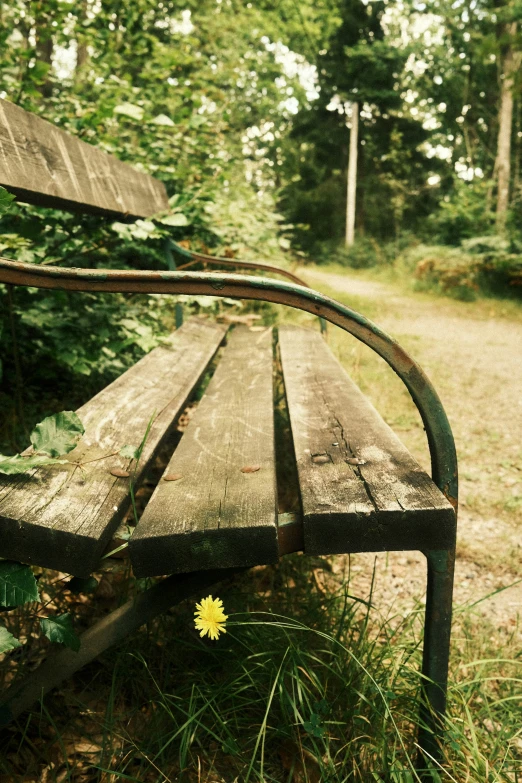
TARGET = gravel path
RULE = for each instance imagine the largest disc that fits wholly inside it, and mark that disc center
(475, 364)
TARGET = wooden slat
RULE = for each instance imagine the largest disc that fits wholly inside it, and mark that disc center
(44, 165)
(61, 517)
(388, 502)
(215, 515)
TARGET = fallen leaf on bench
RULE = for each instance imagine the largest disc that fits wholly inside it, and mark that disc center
(172, 477)
(119, 473)
(251, 469)
(355, 461)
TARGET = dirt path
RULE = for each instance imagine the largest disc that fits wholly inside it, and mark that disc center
(475, 364)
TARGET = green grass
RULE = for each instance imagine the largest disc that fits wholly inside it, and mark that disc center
(305, 679)
(401, 277)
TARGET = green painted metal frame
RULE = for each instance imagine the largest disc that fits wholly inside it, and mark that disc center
(438, 430)
(234, 263)
(203, 258)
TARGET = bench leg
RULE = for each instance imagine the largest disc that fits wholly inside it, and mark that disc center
(63, 663)
(437, 630)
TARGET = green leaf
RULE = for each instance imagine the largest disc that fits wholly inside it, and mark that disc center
(313, 726)
(58, 434)
(162, 119)
(5, 200)
(12, 466)
(17, 584)
(177, 219)
(123, 229)
(7, 640)
(321, 707)
(129, 110)
(60, 629)
(131, 452)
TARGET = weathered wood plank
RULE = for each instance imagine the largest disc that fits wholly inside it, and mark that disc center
(216, 514)
(61, 517)
(387, 501)
(43, 165)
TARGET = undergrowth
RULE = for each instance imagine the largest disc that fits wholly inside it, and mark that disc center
(482, 266)
(310, 683)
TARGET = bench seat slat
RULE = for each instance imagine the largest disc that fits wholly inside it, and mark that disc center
(43, 165)
(388, 502)
(216, 515)
(60, 517)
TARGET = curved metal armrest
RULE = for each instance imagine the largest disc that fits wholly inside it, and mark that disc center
(204, 258)
(438, 430)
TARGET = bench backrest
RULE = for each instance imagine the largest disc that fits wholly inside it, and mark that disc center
(43, 165)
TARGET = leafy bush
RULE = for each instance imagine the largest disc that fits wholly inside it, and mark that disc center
(483, 264)
(449, 270)
(461, 214)
(363, 254)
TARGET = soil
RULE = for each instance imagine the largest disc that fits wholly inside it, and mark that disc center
(473, 355)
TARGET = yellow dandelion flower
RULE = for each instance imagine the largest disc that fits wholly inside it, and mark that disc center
(210, 617)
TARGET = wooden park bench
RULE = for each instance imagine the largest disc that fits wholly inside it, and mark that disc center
(360, 489)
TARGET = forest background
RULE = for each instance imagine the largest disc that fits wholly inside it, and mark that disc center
(243, 111)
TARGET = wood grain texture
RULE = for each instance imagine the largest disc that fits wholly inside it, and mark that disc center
(388, 502)
(216, 515)
(62, 517)
(43, 165)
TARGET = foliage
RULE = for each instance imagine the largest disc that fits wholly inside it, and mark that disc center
(309, 680)
(57, 435)
(170, 93)
(7, 640)
(17, 584)
(53, 437)
(60, 629)
(480, 264)
(18, 587)
(461, 214)
(363, 254)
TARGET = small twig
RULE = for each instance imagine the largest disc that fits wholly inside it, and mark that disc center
(80, 464)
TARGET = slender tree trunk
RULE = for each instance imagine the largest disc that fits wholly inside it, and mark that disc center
(82, 53)
(516, 173)
(510, 65)
(44, 49)
(352, 176)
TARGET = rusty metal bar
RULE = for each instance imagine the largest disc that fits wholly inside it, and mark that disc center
(204, 258)
(438, 430)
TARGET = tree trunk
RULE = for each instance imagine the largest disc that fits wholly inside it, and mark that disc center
(44, 49)
(510, 65)
(352, 177)
(82, 53)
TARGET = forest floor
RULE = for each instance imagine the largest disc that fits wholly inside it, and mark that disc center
(472, 353)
